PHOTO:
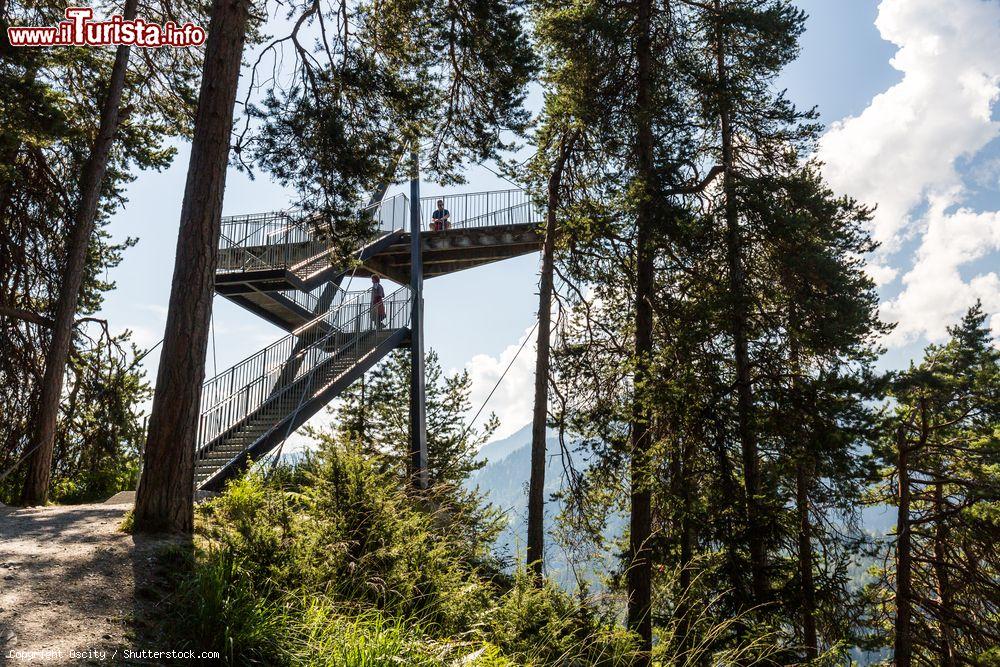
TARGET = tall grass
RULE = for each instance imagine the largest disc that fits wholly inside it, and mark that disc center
(338, 563)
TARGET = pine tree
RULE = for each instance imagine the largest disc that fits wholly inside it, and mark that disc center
(752, 395)
(747, 43)
(36, 485)
(944, 451)
(817, 386)
(614, 62)
(66, 161)
(164, 501)
(373, 415)
(375, 412)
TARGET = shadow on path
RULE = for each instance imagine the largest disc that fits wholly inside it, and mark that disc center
(68, 582)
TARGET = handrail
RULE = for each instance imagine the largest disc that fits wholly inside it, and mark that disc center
(263, 388)
(278, 352)
(392, 214)
(433, 198)
(528, 210)
(285, 239)
(472, 209)
(394, 308)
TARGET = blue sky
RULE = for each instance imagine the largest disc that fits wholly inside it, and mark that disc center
(909, 89)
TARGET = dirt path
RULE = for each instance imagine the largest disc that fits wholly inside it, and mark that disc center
(67, 584)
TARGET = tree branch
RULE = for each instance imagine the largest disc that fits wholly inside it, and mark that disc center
(695, 189)
(26, 316)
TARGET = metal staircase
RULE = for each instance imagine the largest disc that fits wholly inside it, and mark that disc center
(276, 266)
(250, 408)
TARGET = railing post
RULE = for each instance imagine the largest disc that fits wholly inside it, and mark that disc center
(418, 407)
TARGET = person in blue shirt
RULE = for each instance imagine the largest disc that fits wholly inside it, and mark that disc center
(440, 218)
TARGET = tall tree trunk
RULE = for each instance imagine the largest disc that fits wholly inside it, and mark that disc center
(681, 490)
(804, 466)
(803, 477)
(903, 648)
(165, 498)
(941, 538)
(536, 484)
(737, 289)
(729, 504)
(680, 481)
(639, 577)
(36, 483)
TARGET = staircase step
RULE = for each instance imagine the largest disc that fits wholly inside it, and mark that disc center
(262, 421)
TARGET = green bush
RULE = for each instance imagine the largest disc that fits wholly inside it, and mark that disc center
(337, 562)
(547, 626)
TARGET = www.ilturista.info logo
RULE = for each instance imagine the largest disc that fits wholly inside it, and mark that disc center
(80, 30)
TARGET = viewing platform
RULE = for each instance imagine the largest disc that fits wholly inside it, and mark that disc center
(278, 266)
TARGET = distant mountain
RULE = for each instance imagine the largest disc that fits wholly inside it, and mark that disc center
(505, 477)
(504, 480)
(500, 449)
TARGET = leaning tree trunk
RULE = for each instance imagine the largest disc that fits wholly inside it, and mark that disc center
(738, 320)
(942, 538)
(164, 502)
(903, 647)
(639, 575)
(536, 483)
(803, 477)
(36, 483)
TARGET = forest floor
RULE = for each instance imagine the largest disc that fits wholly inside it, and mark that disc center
(68, 584)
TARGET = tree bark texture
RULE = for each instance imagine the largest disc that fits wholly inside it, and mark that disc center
(639, 576)
(903, 646)
(803, 477)
(164, 502)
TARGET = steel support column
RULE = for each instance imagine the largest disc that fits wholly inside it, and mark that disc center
(418, 407)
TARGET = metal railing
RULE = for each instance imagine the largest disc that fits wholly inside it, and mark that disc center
(483, 209)
(349, 346)
(306, 300)
(519, 214)
(267, 377)
(286, 239)
(389, 215)
(310, 301)
(266, 241)
(253, 378)
(466, 210)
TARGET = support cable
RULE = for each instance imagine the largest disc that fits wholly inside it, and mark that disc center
(502, 376)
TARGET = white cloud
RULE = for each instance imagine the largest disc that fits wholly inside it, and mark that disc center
(880, 273)
(513, 399)
(935, 293)
(901, 153)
